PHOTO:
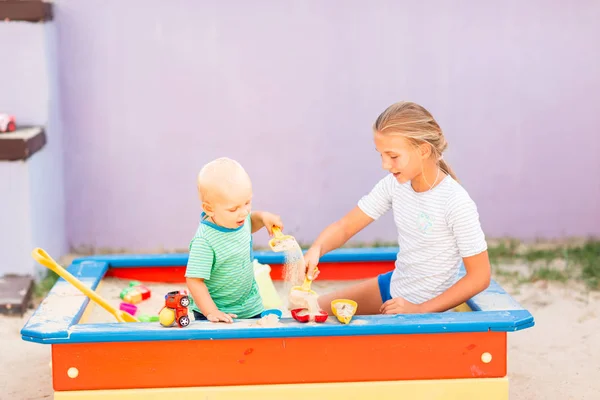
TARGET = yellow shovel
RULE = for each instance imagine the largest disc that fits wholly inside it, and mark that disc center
(280, 242)
(43, 258)
(305, 285)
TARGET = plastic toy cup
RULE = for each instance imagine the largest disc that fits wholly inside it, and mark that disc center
(302, 315)
(271, 311)
(344, 309)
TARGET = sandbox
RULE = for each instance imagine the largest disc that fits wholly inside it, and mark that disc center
(459, 355)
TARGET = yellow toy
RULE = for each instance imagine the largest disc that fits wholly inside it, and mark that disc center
(344, 309)
(305, 285)
(281, 242)
(43, 258)
(166, 317)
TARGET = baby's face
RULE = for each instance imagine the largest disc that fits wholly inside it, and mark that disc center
(230, 209)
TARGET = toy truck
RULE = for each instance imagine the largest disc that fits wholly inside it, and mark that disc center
(175, 309)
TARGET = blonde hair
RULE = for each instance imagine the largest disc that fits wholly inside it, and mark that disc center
(416, 124)
(218, 176)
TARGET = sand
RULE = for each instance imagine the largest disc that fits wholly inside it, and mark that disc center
(268, 321)
(558, 359)
(110, 289)
(344, 310)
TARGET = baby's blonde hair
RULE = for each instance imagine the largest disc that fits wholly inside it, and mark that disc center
(416, 124)
(222, 174)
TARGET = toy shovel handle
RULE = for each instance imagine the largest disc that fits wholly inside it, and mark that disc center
(277, 232)
(43, 258)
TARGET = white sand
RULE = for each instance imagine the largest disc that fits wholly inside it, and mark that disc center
(558, 359)
(111, 288)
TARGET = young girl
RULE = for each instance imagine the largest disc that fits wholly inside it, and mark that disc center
(438, 224)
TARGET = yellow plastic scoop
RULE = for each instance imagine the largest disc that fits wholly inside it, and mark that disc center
(344, 309)
(305, 285)
(303, 296)
(43, 258)
(281, 242)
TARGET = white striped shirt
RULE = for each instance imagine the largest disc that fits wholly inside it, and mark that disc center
(436, 229)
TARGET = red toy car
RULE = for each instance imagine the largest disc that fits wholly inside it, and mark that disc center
(178, 301)
(7, 123)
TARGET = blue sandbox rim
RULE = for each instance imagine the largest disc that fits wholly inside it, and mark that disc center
(494, 309)
(264, 257)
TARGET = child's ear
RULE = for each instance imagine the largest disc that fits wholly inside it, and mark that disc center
(207, 208)
(425, 150)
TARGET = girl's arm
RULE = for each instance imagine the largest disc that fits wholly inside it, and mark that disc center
(338, 233)
(334, 236)
(369, 208)
(475, 281)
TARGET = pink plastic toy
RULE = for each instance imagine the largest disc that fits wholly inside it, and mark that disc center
(128, 308)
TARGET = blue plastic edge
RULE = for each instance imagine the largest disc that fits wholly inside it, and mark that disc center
(94, 268)
(501, 321)
(40, 327)
(265, 257)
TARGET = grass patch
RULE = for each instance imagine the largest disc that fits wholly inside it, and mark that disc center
(549, 274)
(580, 261)
(588, 256)
(42, 287)
(351, 245)
(505, 251)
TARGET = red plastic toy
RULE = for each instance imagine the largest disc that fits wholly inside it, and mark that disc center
(178, 301)
(301, 315)
(7, 123)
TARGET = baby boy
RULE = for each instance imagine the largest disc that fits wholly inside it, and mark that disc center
(220, 273)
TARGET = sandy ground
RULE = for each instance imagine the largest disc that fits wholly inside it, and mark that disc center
(111, 288)
(559, 358)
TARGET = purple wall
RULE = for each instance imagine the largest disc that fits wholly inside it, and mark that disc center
(150, 92)
(32, 201)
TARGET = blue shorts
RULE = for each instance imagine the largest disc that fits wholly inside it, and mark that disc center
(385, 281)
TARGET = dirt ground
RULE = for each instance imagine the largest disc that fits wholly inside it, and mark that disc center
(559, 358)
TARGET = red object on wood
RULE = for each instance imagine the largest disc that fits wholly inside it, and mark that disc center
(296, 314)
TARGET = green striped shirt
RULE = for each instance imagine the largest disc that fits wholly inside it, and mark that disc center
(223, 258)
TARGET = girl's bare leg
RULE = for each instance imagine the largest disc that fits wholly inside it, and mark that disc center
(365, 294)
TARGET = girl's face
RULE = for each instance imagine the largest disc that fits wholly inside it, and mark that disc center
(400, 156)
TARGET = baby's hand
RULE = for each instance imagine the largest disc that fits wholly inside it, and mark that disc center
(271, 220)
(220, 316)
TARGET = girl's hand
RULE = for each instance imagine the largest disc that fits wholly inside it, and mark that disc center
(400, 306)
(311, 260)
(271, 220)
